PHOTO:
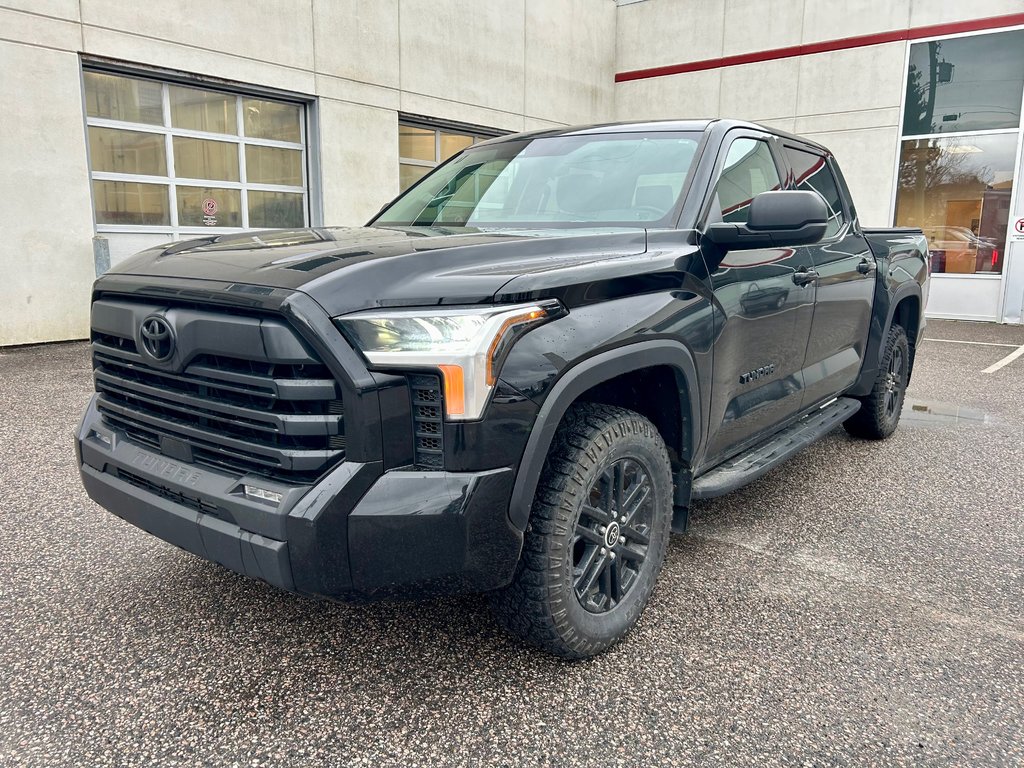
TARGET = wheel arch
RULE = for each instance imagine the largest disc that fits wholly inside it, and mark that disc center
(594, 380)
(906, 313)
(908, 302)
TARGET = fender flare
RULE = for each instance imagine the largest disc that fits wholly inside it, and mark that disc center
(905, 291)
(908, 289)
(582, 377)
(878, 333)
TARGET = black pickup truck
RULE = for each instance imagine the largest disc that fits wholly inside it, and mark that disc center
(515, 379)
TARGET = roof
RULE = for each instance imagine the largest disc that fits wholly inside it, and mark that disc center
(649, 126)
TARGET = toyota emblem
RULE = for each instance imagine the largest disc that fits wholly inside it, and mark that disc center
(157, 337)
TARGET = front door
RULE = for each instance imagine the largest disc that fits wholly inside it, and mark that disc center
(763, 311)
(845, 283)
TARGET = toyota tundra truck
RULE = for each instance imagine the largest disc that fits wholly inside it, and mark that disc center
(514, 380)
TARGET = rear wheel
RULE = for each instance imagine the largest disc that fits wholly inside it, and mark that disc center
(597, 534)
(879, 414)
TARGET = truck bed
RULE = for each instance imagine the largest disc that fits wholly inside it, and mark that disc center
(895, 243)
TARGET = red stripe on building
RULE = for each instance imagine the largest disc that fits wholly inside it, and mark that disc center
(840, 44)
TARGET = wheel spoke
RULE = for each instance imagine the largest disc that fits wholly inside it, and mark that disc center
(620, 471)
(607, 494)
(632, 534)
(615, 580)
(593, 569)
(638, 498)
(596, 513)
(639, 487)
(629, 554)
(590, 535)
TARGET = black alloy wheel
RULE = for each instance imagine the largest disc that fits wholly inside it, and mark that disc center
(613, 534)
(897, 371)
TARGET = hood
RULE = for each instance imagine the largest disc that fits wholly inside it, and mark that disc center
(347, 269)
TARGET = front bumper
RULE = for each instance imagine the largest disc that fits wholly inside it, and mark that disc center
(359, 531)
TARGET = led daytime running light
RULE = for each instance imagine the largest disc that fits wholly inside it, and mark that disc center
(464, 344)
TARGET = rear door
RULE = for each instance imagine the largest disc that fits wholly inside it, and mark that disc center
(763, 308)
(845, 282)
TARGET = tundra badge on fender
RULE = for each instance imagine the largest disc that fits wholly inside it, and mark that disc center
(757, 373)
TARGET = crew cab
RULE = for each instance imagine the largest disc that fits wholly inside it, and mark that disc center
(514, 380)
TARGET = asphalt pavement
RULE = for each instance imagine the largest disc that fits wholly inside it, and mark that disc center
(863, 604)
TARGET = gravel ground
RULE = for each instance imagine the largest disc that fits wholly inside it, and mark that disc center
(860, 605)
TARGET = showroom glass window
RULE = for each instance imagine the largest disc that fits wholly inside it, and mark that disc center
(184, 160)
(961, 122)
(422, 148)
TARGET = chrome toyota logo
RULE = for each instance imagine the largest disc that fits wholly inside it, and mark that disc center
(157, 337)
(611, 535)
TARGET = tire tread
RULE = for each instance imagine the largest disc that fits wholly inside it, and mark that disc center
(530, 606)
(870, 422)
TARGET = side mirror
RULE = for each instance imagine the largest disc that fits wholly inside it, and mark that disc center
(776, 218)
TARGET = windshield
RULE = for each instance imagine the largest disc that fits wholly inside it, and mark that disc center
(612, 179)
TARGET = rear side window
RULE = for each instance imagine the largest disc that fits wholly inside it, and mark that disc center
(749, 170)
(812, 173)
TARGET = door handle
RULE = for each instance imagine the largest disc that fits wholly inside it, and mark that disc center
(866, 267)
(804, 276)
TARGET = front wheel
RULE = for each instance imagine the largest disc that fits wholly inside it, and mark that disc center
(879, 414)
(597, 534)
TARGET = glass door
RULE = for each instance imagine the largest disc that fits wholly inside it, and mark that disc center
(1012, 300)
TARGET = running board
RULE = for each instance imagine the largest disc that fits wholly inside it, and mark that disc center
(754, 462)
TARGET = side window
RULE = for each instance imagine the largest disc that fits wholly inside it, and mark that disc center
(749, 170)
(811, 173)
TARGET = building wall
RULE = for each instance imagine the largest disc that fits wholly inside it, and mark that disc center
(849, 100)
(515, 65)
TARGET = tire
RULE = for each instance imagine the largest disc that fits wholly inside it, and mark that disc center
(567, 597)
(879, 414)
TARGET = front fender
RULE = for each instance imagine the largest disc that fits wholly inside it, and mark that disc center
(582, 377)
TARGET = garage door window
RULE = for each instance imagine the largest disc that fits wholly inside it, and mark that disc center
(177, 159)
(422, 148)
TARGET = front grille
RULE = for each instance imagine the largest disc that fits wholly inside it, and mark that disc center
(271, 408)
(428, 421)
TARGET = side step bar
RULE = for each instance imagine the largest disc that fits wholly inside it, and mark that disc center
(754, 462)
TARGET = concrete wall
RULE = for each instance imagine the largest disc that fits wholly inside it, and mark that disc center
(514, 65)
(848, 100)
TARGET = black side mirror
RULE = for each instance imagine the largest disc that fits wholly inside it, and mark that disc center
(776, 218)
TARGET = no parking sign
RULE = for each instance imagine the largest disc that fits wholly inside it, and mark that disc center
(210, 212)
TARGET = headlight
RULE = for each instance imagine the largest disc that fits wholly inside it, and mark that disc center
(466, 345)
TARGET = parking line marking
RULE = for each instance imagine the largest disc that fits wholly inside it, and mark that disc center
(1006, 360)
(980, 343)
